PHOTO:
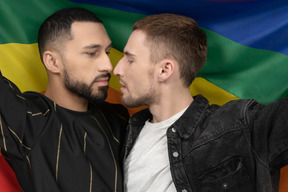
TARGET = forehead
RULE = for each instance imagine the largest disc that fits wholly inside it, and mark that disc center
(136, 43)
(84, 33)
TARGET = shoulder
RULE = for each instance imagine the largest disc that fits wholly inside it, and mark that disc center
(230, 114)
(37, 99)
(249, 110)
(251, 104)
(239, 107)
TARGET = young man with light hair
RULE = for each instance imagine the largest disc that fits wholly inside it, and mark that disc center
(181, 143)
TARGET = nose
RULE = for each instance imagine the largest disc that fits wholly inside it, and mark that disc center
(117, 70)
(107, 66)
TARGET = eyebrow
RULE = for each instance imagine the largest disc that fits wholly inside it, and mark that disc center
(97, 46)
(129, 54)
(92, 46)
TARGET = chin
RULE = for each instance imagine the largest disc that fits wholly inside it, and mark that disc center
(131, 103)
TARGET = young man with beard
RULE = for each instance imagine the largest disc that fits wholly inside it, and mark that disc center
(68, 139)
(181, 143)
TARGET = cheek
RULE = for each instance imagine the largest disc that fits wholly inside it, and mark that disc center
(85, 72)
(141, 83)
(79, 69)
(83, 76)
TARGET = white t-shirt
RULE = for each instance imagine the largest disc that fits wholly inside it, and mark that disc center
(147, 166)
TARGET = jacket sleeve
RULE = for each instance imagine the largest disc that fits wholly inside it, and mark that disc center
(269, 132)
(13, 112)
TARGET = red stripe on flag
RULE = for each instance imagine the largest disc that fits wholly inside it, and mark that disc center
(8, 180)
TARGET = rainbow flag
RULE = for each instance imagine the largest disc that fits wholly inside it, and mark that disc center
(247, 47)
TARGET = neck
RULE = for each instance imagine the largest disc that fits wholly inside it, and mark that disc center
(64, 98)
(170, 103)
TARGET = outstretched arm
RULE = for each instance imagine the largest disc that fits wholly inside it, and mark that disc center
(13, 114)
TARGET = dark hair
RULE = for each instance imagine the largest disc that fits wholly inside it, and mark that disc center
(57, 28)
(177, 37)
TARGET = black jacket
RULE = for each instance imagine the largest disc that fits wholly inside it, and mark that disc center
(238, 147)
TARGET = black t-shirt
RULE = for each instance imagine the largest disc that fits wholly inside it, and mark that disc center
(51, 148)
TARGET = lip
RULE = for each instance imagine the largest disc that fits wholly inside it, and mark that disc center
(102, 81)
(123, 86)
(122, 89)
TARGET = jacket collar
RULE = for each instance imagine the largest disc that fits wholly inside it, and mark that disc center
(187, 123)
(135, 125)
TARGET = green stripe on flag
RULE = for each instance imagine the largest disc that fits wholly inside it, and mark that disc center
(20, 20)
(245, 72)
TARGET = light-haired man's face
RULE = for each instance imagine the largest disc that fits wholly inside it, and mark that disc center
(86, 65)
(136, 72)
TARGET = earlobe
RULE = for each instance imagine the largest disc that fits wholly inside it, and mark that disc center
(167, 69)
(50, 61)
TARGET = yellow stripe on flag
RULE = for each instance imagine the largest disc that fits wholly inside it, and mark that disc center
(213, 93)
(22, 65)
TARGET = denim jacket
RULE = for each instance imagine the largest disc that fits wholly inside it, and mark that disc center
(237, 147)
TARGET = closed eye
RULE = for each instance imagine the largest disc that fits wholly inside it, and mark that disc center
(130, 57)
(90, 53)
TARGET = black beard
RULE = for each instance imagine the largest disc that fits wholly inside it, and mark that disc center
(85, 91)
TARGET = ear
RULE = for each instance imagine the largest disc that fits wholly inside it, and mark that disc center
(51, 61)
(167, 68)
